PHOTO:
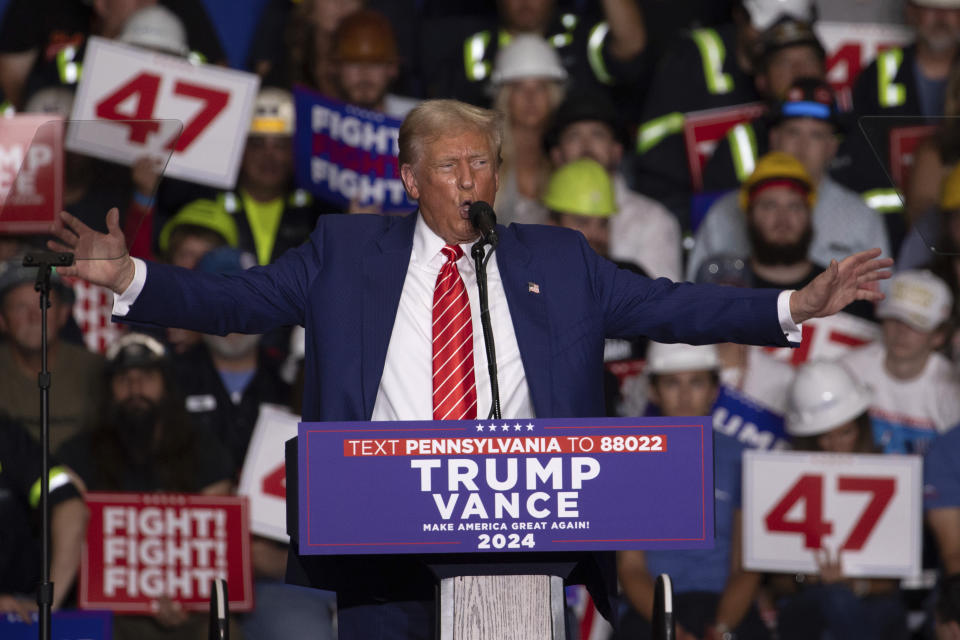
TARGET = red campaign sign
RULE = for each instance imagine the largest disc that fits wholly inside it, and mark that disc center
(903, 142)
(702, 130)
(144, 546)
(31, 172)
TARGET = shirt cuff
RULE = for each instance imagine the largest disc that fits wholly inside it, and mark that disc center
(123, 301)
(791, 329)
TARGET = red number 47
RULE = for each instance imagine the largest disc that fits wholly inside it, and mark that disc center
(143, 88)
(808, 490)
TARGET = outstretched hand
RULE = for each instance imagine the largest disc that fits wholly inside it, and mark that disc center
(101, 258)
(851, 279)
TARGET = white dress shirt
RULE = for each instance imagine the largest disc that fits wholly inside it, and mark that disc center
(406, 387)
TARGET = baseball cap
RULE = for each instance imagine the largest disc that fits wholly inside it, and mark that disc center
(581, 106)
(808, 98)
(675, 357)
(135, 351)
(788, 32)
(13, 274)
(918, 298)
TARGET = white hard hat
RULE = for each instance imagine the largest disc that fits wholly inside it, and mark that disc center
(765, 13)
(156, 27)
(672, 358)
(824, 396)
(919, 298)
(527, 56)
(273, 113)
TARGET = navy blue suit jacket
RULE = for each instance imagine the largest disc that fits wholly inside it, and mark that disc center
(344, 286)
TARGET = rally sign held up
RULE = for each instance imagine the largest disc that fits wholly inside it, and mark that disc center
(146, 103)
(508, 485)
(31, 172)
(866, 508)
(346, 154)
(264, 479)
(144, 546)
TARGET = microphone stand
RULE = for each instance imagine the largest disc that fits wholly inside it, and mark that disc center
(45, 261)
(480, 261)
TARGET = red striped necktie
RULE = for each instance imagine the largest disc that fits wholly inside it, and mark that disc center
(454, 385)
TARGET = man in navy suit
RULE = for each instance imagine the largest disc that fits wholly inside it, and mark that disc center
(363, 287)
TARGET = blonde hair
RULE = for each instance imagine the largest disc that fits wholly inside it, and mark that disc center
(433, 119)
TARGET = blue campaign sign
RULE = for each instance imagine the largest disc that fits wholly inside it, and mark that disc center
(64, 625)
(757, 427)
(346, 154)
(511, 485)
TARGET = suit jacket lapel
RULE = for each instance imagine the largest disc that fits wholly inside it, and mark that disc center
(525, 290)
(384, 270)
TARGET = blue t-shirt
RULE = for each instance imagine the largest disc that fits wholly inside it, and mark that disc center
(941, 473)
(708, 569)
(930, 93)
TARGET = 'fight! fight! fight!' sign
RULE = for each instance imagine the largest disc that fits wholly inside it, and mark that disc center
(145, 546)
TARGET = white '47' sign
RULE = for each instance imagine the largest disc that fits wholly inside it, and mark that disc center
(148, 103)
(867, 507)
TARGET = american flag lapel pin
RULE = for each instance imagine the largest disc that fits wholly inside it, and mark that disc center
(533, 287)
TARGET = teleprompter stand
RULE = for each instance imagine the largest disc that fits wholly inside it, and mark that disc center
(45, 262)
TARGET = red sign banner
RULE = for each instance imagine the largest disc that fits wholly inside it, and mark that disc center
(702, 130)
(145, 546)
(31, 172)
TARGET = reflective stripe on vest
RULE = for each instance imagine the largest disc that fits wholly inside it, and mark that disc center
(474, 50)
(595, 52)
(6, 109)
(890, 93)
(653, 131)
(58, 478)
(68, 70)
(883, 200)
(743, 148)
(713, 53)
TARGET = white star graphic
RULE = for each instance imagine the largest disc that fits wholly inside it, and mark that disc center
(505, 427)
(479, 427)
(529, 426)
(517, 427)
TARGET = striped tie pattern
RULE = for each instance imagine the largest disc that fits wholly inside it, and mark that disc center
(454, 385)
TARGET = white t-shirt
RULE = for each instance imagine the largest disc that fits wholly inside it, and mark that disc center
(907, 414)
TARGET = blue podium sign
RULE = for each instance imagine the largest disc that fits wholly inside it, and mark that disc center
(510, 485)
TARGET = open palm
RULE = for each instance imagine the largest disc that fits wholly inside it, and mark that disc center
(101, 258)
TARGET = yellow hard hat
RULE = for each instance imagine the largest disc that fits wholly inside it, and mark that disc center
(208, 214)
(776, 166)
(582, 187)
(950, 196)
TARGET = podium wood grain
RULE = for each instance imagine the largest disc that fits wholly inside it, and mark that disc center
(523, 607)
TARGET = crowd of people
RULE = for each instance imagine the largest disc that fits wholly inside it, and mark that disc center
(600, 101)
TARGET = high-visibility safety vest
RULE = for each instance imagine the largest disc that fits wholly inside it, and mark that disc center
(713, 54)
(890, 93)
(743, 149)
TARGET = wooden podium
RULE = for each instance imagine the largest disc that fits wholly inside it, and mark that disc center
(492, 520)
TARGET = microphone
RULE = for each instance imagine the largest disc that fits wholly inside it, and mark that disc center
(484, 220)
